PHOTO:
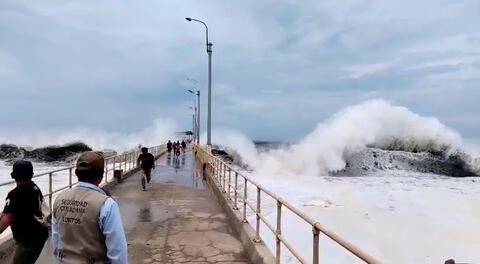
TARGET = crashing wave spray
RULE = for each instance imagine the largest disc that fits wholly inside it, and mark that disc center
(373, 123)
(158, 133)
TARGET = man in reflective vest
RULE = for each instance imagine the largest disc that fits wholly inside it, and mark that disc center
(86, 223)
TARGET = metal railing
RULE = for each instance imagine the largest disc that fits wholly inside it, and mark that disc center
(224, 175)
(125, 162)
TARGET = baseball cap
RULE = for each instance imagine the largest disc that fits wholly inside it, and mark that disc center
(22, 170)
(91, 161)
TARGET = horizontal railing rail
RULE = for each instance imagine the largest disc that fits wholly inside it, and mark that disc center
(126, 162)
(222, 173)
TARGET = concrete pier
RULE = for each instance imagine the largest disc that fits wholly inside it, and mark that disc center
(176, 220)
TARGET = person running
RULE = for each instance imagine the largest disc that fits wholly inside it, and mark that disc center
(22, 211)
(184, 145)
(147, 163)
(178, 149)
(86, 223)
(169, 146)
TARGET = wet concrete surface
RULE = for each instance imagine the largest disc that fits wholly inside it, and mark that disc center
(176, 220)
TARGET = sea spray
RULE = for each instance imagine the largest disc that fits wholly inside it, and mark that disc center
(326, 149)
(157, 133)
(237, 144)
(397, 219)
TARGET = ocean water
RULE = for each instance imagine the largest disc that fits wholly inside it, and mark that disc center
(394, 213)
(407, 218)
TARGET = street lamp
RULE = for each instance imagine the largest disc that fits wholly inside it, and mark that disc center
(197, 111)
(193, 121)
(209, 52)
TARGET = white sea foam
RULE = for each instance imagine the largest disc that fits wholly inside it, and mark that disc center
(397, 216)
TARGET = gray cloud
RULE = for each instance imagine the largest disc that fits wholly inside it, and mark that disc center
(279, 66)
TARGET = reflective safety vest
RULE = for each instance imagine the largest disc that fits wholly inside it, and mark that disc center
(80, 239)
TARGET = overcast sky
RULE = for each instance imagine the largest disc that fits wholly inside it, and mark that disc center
(279, 67)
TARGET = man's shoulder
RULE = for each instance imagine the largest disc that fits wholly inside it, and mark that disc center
(12, 193)
(18, 190)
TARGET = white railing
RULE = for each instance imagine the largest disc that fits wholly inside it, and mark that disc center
(125, 162)
(231, 181)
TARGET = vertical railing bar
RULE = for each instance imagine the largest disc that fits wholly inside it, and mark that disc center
(244, 220)
(224, 178)
(258, 212)
(278, 244)
(229, 182)
(235, 203)
(70, 177)
(220, 171)
(316, 241)
(50, 189)
(106, 170)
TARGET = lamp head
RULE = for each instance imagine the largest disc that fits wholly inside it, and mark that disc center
(188, 19)
(190, 91)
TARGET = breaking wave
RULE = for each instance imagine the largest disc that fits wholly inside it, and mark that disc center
(372, 124)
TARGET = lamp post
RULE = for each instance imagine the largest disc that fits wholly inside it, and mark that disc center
(209, 52)
(197, 111)
(193, 121)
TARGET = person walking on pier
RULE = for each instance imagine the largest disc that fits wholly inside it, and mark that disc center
(86, 223)
(178, 149)
(22, 213)
(184, 145)
(169, 146)
(147, 163)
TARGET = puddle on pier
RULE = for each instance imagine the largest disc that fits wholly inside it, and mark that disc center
(181, 170)
(132, 214)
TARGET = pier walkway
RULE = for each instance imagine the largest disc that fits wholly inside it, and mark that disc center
(177, 220)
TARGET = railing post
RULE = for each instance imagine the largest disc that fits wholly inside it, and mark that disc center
(70, 177)
(106, 171)
(316, 239)
(50, 189)
(278, 242)
(220, 169)
(229, 182)
(244, 220)
(219, 176)
(224, 171)
(125, 165)
(259, 210)
(235, 204)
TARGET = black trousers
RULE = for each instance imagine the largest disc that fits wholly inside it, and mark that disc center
(27, 254)
(148, 173)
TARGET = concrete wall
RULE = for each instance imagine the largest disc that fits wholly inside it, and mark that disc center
(258, 252)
